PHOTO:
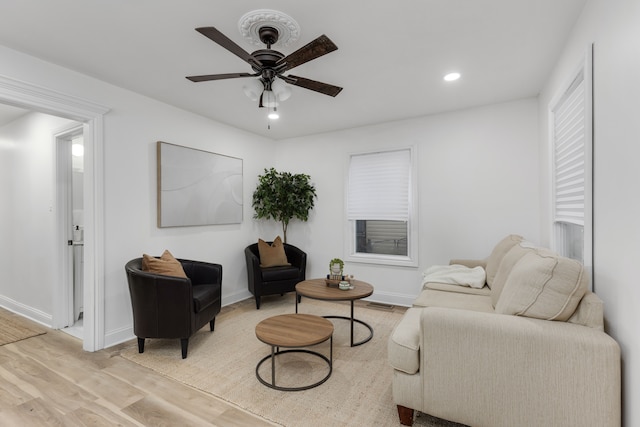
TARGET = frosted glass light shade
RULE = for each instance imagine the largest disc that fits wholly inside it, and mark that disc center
(282, 91)
(269, 99)
(253, 89)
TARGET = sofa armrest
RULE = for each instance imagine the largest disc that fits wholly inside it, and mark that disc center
(202, 272)
(296, 256)
(471, 263)
(501, 370)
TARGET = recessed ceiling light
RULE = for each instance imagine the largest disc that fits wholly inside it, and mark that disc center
(452, 77)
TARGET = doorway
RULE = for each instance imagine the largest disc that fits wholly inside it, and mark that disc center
(91, 115)
(70, 199)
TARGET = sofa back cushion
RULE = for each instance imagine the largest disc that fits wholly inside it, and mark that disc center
(500, 250)
(509, 260)
(543, 285)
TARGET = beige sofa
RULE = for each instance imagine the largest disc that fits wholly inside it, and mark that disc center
(526, 349)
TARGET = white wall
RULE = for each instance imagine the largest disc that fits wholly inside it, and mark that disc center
(131, 130)
(614, 30)
(478, 182)
(27, 219)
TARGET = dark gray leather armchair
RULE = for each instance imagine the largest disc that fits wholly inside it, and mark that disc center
(174, 307)
(274, 280)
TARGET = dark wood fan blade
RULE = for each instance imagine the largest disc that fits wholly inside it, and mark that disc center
(320, 46)
(228, 44)
(219, 76)
(325, 88)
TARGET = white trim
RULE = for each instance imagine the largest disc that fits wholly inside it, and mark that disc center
(26, 311)
(392, 298)
(118, 336)
(26, 95)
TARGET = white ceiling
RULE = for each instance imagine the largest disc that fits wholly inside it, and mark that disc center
(390, 60)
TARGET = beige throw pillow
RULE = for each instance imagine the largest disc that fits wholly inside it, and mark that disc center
(543, 285)
(272, 255)
(166, 265)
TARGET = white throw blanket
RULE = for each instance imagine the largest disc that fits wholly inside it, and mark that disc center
(455, 274)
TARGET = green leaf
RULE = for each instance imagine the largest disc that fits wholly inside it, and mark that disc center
(282, 196)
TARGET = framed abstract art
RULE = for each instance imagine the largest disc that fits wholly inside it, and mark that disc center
(197, 187)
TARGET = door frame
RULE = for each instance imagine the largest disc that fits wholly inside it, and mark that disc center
(91, 115)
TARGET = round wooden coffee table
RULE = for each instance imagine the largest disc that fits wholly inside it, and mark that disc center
(318, 289)
(291, 331)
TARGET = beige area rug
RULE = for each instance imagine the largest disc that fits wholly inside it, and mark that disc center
(223, 363)
(14, 327)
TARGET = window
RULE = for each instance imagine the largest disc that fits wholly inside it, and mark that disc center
(380, 208)
(571, 140)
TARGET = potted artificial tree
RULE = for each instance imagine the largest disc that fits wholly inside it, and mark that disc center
(282, 196)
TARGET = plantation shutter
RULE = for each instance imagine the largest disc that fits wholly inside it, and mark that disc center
(569, 154)
(379, 186)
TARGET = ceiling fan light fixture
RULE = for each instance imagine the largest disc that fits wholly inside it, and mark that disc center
(272, 28)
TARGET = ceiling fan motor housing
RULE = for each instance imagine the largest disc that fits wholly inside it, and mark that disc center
(268, 35)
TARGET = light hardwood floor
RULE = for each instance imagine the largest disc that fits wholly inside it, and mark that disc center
(49, 380)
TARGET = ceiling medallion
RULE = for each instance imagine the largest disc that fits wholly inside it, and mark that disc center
(250, 24)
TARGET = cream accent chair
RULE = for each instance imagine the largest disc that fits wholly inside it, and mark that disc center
(527, 349)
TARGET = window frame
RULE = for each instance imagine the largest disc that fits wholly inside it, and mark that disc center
(556, 230)
(411, 259)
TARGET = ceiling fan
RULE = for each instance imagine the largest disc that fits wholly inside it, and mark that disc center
(269, 65)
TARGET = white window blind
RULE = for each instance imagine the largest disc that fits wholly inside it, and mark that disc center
(379, 186)
(569, 155)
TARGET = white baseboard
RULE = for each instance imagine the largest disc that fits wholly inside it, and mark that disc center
(403, 300)
(118, 336)
(236, 297)
(26, 311)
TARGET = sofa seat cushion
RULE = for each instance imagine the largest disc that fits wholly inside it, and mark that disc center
(457, 288)
(543, 285)
(204, 296)
(284, 272)
(433, 298)
(403, 347)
